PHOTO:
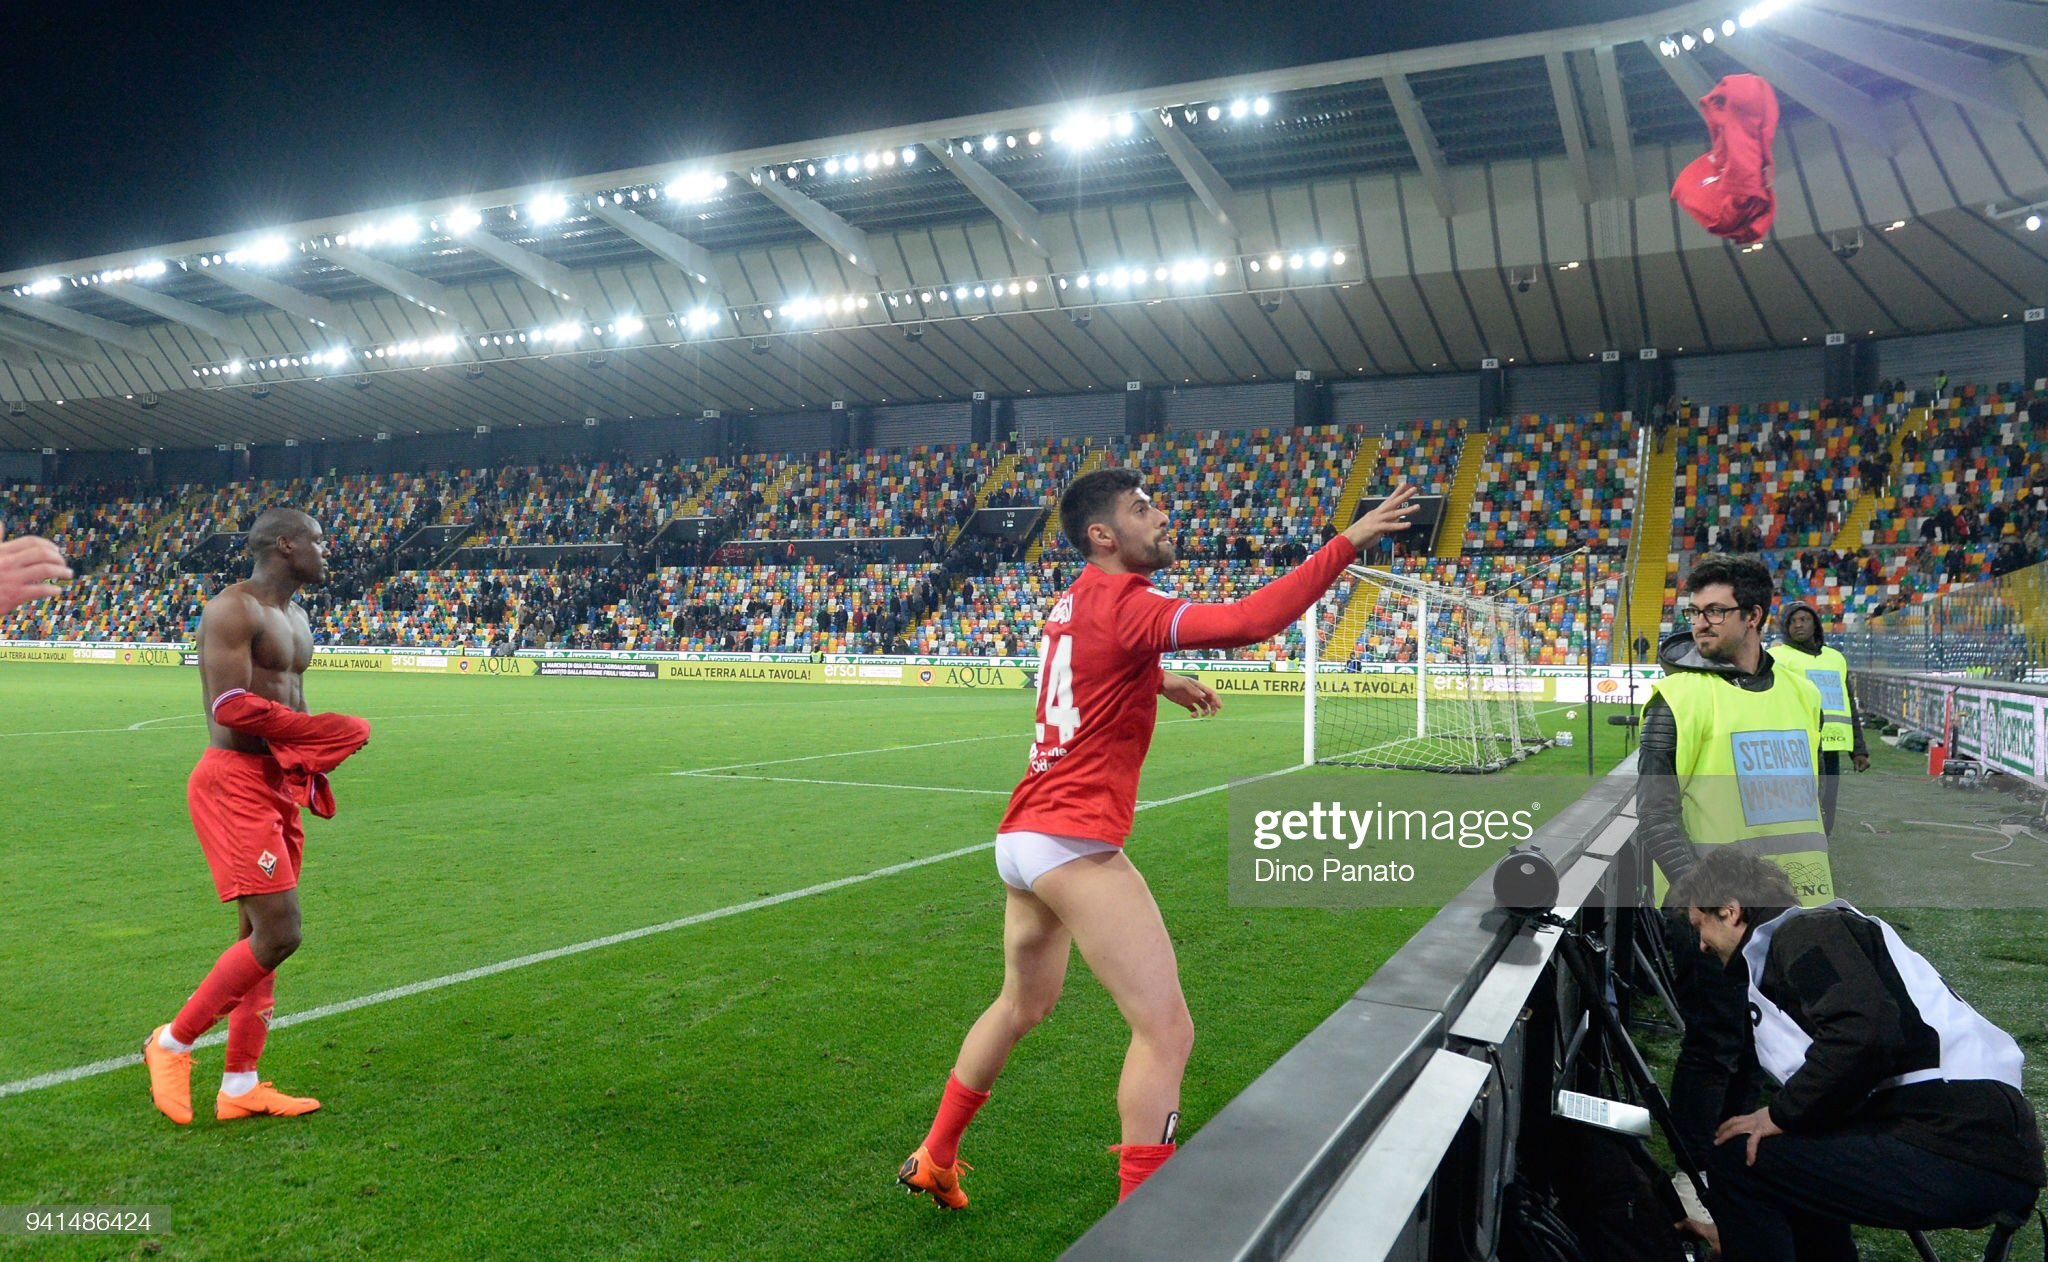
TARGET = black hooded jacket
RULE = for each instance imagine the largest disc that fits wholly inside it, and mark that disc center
(1820, 640)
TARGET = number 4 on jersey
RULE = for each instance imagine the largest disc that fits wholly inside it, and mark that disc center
(1056, 688)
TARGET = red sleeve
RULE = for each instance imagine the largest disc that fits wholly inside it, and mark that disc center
(1169, 626)
(299, 742)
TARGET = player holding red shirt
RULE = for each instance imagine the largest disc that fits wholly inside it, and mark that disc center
(266, 757)
(1059, 850)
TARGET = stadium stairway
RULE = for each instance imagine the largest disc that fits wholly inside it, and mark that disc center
(1650, 540)
(694, 506)
(996, 477)
(1865, 510)
(1096, 458)
(1351, 624)
(1364, 464)
(1450, 531)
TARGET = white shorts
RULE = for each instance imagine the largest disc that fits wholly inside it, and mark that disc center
(1021, 858)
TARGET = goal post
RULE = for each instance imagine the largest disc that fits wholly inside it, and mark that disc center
(1402, 673)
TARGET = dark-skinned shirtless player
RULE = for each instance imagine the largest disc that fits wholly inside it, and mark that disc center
(266, 758)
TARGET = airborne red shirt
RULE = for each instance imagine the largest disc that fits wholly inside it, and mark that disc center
(1099, 679)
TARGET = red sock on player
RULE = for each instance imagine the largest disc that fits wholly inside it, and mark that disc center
(234, 975)
(1136, 1163)
(249, 1025)
(956, 1110)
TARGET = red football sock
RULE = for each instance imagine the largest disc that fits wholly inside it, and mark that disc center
(1136, 1163)
(956, 1110)
(235, 974)
(249, 1025)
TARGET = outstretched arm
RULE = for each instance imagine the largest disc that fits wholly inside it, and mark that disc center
(29, 570)
(1268, 611)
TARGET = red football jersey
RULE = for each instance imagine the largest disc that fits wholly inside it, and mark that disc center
(1099, 679)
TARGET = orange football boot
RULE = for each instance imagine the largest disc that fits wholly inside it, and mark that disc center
(170, 1078)
(260, 1099)
(919, 1174)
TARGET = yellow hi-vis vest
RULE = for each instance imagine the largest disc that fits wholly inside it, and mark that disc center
(1827, 671)
(1749, 771)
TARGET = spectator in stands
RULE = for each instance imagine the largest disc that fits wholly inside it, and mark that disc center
(1899, 1104)
(1720, 713)
(30, 569)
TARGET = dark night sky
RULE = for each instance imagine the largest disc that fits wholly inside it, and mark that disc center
(124, 126)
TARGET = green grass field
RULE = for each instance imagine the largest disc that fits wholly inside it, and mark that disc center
(742, 1087)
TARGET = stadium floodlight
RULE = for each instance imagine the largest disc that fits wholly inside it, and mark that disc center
(567, 331)
(831, 166)
(1317, 258)
(1706, 34)
(981, 291)
(1240, 108)
(235, 367)
(1262, 107)
(1215, 112)
(1255, 265)
(155, 267)
(1728, 26)
(1081, 281)
(909, 154)
(1687, 42)
(1220, 268)
(872, 161)
(696, 186)
(703, 318)
(988, 144)
(464, 221)
(925, 296)
(2033, 223)
(1295, 261)
(630, 325)
(547, 208)
(47, 285)
(888, 157)
(1033, 137)
(1274, 262)
(1337, 258)
(1030, 287)
(266, 250)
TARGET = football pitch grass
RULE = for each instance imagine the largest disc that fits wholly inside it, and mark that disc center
(739, 1085)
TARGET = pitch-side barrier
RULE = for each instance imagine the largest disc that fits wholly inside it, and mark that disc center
(1391, 1131)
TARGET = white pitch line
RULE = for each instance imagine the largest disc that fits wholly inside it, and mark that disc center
(845, 753)
(849, 784)
(59, 1077)
(169, 718)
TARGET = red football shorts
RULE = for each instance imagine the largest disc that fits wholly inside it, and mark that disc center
(247, 822)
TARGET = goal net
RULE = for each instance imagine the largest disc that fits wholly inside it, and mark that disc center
(1409, 674)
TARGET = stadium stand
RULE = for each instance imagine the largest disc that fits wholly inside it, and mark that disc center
(1944, 493)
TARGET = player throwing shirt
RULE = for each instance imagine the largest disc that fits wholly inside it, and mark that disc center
(1059, 850)
(265, 758)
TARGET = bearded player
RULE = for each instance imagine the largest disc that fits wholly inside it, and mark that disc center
(265, 759)
(1059, 850)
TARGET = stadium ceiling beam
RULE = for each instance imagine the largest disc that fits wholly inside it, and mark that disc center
(1195, 167)
(1618, 138)
(41, 339)
(286, 299)
(1010, 209)
(1691, 80)
(542, 273)
(1959, 77)
(417, 290)
(818, 221)
(211, 323)
(112, 332)
(1429, 155)
(1849, 110)
(678, 251)
(1569, 122)
(2008, 25)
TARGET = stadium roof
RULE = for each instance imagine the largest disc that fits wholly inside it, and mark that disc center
(1403, 213)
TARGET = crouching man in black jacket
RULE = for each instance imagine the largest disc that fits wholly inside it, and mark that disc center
(1899, 1106)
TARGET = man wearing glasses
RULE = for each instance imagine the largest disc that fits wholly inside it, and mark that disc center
(1730, 753)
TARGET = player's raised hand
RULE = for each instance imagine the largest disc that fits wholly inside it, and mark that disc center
(29, 570)
(1190, 694)
(1389, 516)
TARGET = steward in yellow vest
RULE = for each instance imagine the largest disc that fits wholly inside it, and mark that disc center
(1804, 649)
(1730, 754)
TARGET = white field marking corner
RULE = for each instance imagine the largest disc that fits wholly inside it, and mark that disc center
(59, 1077)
